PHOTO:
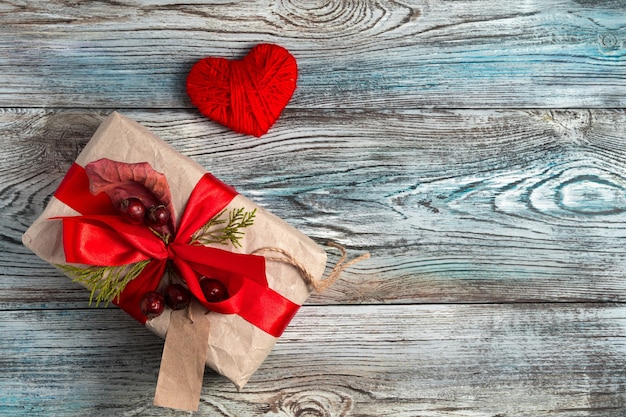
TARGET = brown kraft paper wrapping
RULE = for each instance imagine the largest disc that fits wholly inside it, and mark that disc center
(236, 348)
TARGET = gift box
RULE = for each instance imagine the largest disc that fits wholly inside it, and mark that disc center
(268, 271)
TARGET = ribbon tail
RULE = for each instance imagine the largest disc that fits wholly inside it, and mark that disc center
(266, 309)
(249, 294)
(193, 262)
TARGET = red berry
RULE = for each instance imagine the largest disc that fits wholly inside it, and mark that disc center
(152, 304)
(132, 210)
(177, 297)
(158, 215)
(213, 290)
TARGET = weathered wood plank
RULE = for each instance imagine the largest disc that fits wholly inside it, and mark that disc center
(351, 54)
(455, 206)
(438, 360)
(509, 220)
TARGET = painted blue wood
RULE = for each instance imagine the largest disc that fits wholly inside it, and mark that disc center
(352, 360)
(441, 54)
(434, 134)
(455, 206)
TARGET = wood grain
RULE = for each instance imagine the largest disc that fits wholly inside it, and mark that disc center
(454, 206)
(475, 148)
(375, 55)
(438, 360)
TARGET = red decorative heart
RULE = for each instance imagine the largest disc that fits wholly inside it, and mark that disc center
(247, 95)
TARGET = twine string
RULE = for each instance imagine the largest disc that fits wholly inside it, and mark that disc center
(318, 285)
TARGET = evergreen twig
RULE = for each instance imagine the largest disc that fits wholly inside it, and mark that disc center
(105, 282)
(230, 230)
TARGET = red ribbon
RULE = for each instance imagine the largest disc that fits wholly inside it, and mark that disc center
(100, 237)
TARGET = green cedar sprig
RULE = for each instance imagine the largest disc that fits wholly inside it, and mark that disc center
(105, 282)
(230, 230)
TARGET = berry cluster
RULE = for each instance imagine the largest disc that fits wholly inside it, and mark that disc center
(134, 211)
(177, 297)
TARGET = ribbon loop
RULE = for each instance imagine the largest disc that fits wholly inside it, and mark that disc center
(108, 241)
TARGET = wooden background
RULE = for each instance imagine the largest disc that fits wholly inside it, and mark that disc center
(475, 148)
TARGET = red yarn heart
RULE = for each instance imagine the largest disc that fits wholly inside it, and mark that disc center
(247, 95)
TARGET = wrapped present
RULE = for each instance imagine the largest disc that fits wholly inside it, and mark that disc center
(81, 231)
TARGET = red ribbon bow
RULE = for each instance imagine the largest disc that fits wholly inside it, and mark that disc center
(100, 237)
